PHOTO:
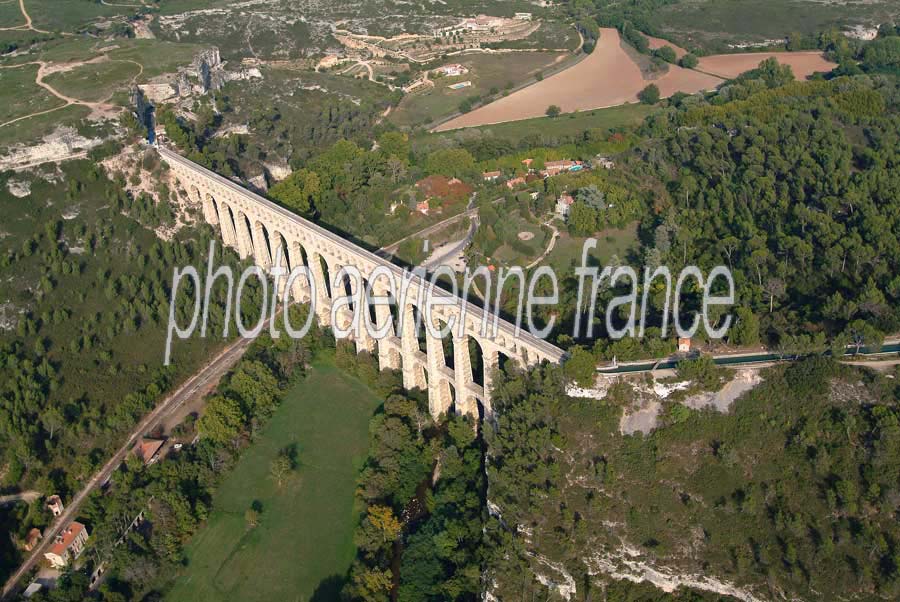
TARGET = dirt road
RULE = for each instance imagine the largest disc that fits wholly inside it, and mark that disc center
(25, 496)
(45, 69)
(199, 382)
(28, 25)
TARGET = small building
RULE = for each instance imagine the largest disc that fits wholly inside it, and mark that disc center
(564, 205)
(451, 70)
(552, 168)
(68, 546)
(148, 450)
(522, 16)
(55, 505)
(527, 163)
(512, 183)
(33, 588)
(329, 61)
(491, 176)
(684, 345)
(422, 207)
(32, 539)
(604, 162)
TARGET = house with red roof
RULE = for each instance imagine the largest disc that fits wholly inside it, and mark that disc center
(148, 449)
(514, 182)
(68, 546)
(564, 205)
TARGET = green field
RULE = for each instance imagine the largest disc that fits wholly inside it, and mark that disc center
(25, 97)
(10, 15)
(486, 71)
(621, 243)
(94, 82)
(303, 545)
(20, 96)
(69, 15)
(565, 125)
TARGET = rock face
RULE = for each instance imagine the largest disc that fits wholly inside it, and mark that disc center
(208, 68)
(62, 144)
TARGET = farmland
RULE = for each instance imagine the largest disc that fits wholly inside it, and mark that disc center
(803, 64)
(610, 77)
(607, 77)
(487, 72)
(303, 543)
(566, 125)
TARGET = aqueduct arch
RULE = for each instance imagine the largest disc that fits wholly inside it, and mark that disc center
(258, 228)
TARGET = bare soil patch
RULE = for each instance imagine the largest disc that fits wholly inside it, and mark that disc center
(729, 66)
(608, 77)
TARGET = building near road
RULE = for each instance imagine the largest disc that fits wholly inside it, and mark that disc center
(148, 450)
(451, 70)
(552, 168)
(55, 505)
(485, 28)
(68, 546)
(515, 182)
(491, 176)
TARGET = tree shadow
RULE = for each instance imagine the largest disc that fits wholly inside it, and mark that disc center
(329, 589)
(292, 453)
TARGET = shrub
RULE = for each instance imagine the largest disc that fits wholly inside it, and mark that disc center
(649, 95)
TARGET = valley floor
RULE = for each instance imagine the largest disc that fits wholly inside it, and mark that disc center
(303, 544)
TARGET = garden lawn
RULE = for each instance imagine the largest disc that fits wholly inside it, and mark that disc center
(303, 544)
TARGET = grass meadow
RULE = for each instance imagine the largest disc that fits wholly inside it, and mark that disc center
(567, 124)
(303, 544)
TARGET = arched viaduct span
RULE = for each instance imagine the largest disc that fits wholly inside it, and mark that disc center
(258, 228)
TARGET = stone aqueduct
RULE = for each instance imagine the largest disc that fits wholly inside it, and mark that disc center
(260, 229)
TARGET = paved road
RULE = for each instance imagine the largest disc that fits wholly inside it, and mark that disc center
(471, 211)
(434, 262)
(199, 382)
(759, 360)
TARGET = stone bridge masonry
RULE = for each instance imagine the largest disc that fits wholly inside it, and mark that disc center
(258, 228)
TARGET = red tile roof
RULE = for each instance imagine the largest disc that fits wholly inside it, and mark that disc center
(147, 448)
(65, 539)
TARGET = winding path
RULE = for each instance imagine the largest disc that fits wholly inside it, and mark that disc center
(43, 67)
(25, 496)
(547, 251)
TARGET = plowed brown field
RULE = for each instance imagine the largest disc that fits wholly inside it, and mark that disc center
(804, 64)
(608, 77)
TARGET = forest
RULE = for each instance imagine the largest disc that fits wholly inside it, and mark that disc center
(176, 495)
(793, 185)
(89, 279)
(793, 492)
